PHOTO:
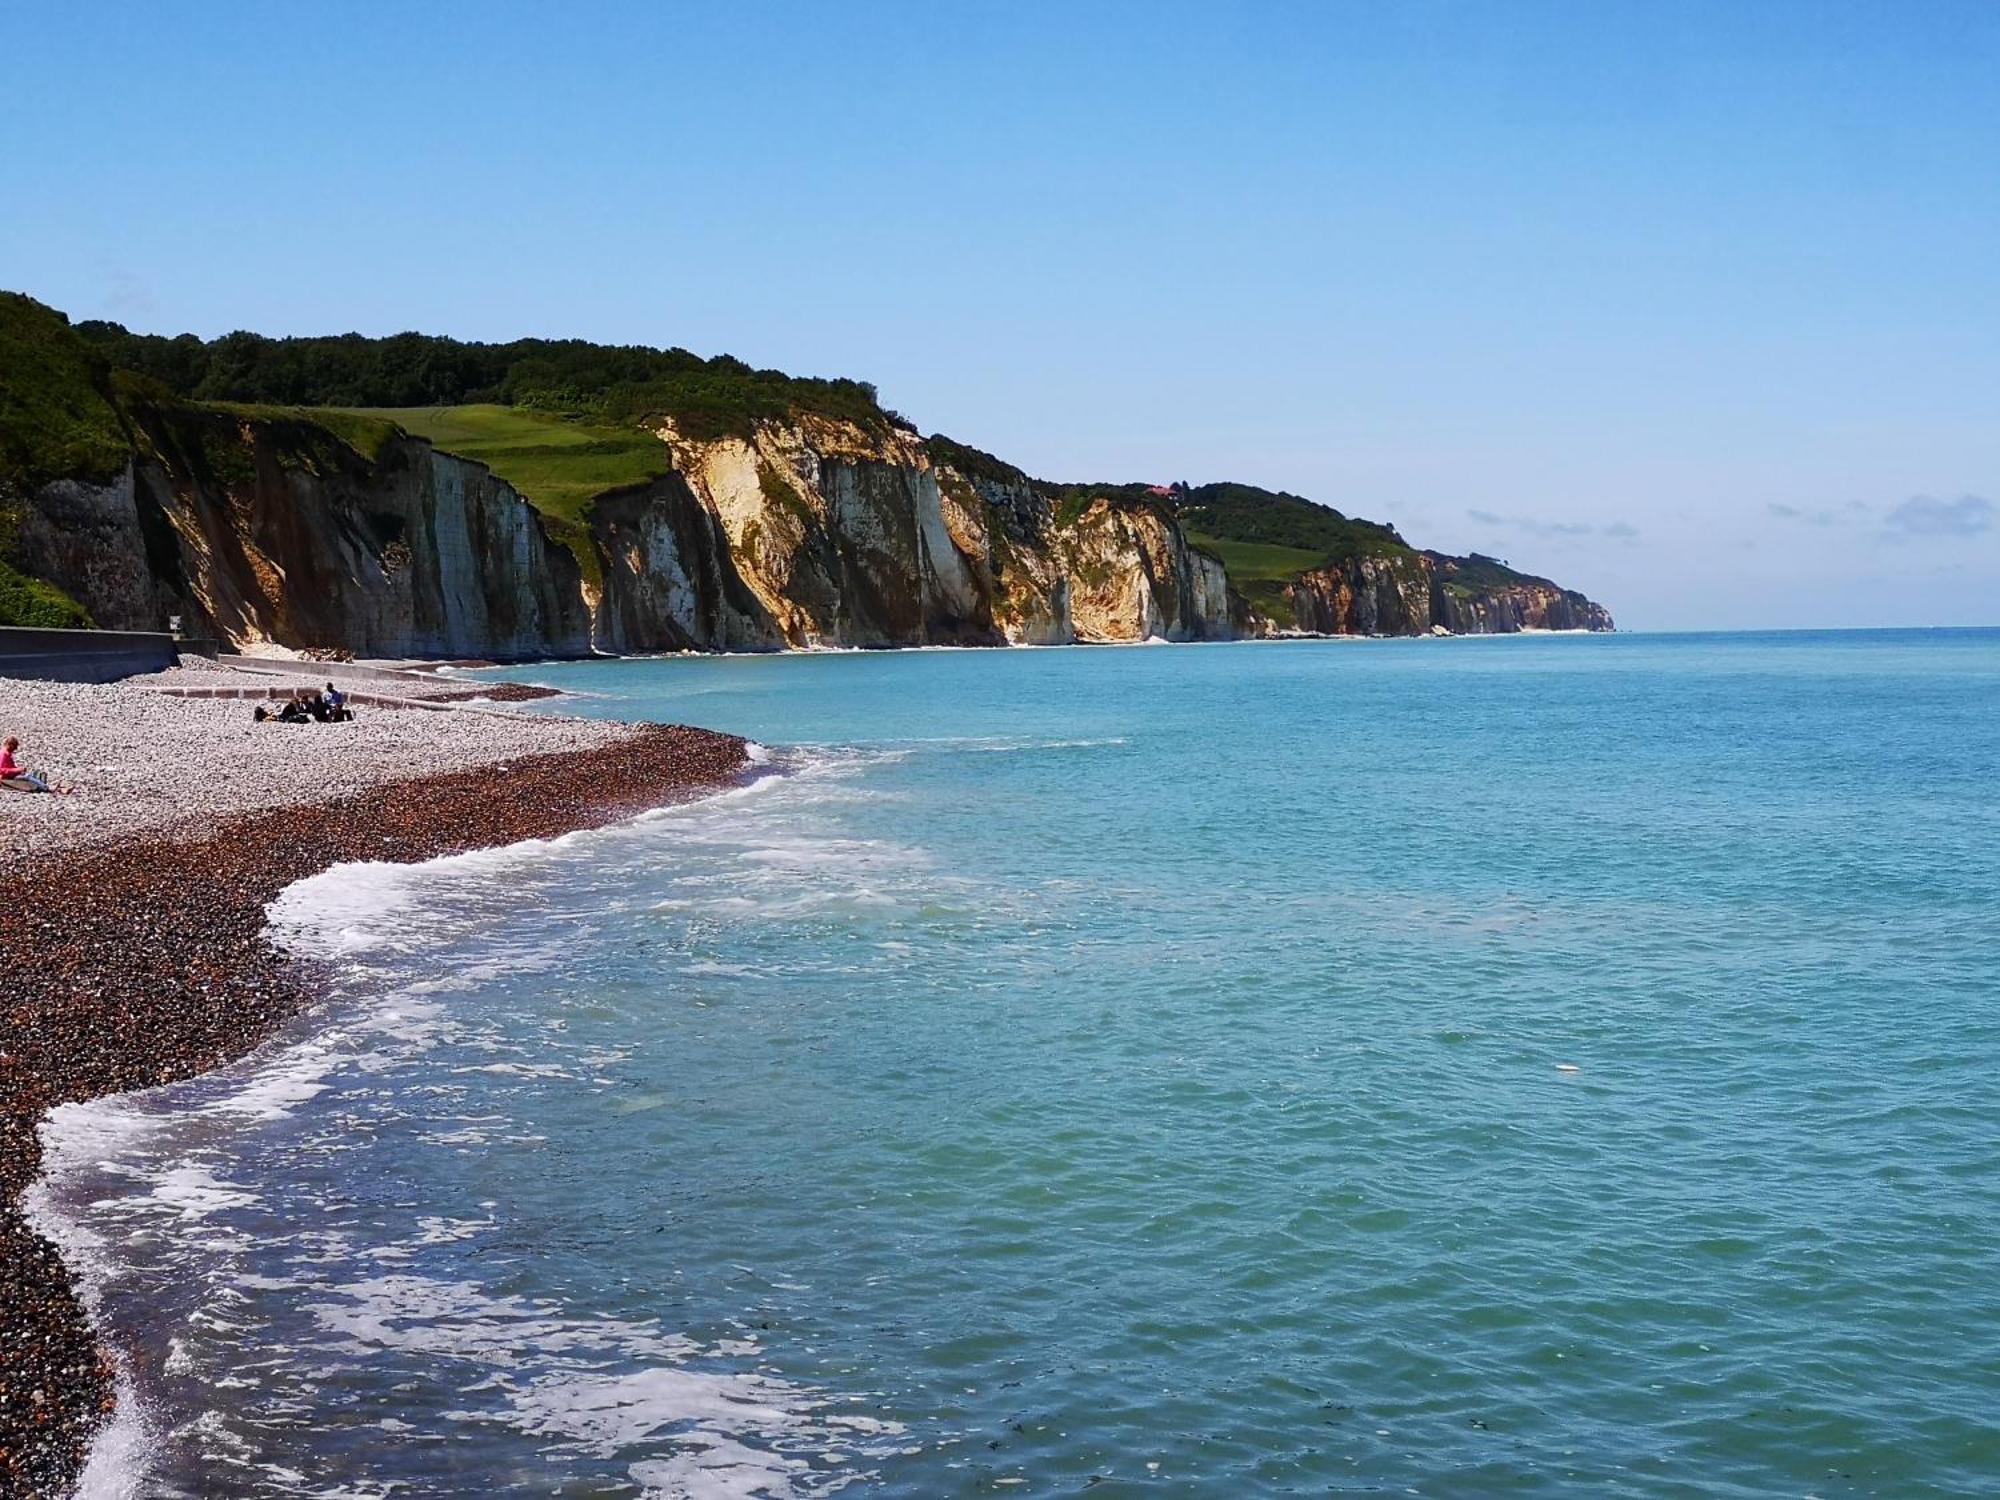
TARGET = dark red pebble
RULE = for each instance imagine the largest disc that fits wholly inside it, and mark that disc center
(497, 692)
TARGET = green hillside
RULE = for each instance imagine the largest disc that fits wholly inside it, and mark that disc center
(1253, 562)
(1244, 515)
(56, 422)
(1267, 538)
(56, 416)
(560, 463)
(615, 384)
(1480, 574)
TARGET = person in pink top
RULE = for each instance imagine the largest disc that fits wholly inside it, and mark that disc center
(18, 777)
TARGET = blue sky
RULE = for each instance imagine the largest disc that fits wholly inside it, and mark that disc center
(1696, 307)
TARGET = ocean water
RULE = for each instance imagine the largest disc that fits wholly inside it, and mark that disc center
(1539, 1066)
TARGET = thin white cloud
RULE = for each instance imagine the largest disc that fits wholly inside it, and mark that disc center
(1927, 516)
(1822, 516)
(1617, 531)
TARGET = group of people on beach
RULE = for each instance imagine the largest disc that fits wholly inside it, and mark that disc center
(328, 707)
(321, 707)
(16, 777)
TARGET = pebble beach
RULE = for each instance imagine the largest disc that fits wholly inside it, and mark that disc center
(143, 759)
(133, 940)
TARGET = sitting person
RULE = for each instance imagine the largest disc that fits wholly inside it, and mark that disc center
(18, 778)
(336, 705)
(294, 712)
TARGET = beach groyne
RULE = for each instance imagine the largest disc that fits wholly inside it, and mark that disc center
(143, 960)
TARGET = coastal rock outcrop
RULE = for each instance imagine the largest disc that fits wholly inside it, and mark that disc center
(109, 546)
(1473, 608)
(1416, 593)
(1083, 569)
(276, 530)
(840, 535)
(846, 537)
(668, 578)
(806, 533)
(1364, 596)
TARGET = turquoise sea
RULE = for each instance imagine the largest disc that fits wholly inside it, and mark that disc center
(1533, 1066)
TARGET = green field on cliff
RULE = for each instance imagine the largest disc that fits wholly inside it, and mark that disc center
(559, 463)
(1270, 523)
(1255, 562)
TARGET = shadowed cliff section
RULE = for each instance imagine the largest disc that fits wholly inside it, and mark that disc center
(416, 496)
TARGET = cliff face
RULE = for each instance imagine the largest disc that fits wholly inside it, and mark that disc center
(1524, 607)
(812, 532)
(111, 553)
(840, 537)
(1366, 596)
(849, 538)
(807, 533)
(1416, 593)
(1137, 579)
(1102, 571)
(279, 532)
(1477, 596)
(669, 581)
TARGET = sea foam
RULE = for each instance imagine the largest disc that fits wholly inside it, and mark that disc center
(156, 1183)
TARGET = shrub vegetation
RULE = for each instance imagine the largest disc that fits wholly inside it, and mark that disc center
(1244, 515)
(57, 420)
(618, 384)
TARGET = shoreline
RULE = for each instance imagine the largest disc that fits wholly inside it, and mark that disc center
(144, 958)
(788, 652)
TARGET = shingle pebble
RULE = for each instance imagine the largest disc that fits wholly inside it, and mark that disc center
(139, 758)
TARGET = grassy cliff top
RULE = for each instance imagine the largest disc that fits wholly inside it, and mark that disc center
(1478, 574)
(1245, 516)
(615, 384)
(1255, 562)
(972, 463)
(559, 463)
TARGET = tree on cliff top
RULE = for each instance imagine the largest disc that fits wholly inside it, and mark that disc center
(624, 383)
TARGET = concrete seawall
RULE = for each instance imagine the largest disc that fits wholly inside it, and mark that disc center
(87, 655)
